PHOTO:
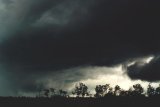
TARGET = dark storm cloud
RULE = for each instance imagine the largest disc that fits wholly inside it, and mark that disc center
(33, 43)
(21, 16)
(35, 25)
(149, 72)
(48, 36)
(112, 30)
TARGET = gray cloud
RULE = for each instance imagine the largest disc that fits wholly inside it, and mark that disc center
(18, 17)
(63, 13)
(53, 37)
(24, 15)
(148, 71)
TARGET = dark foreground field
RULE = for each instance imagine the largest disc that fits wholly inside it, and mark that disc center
(79, 102)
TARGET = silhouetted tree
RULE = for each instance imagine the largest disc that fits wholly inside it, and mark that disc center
(46, 92)
(150, 91)
(52, 90)
(80, 89)
(130, 92)
(137, 90)
(158, 90)
(123, 93)
(110, 92)
(117, 90)
(101, 90)
(63, 93)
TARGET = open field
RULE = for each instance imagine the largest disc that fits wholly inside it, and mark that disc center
(79, 102)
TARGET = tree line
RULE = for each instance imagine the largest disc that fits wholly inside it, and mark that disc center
(81, 90)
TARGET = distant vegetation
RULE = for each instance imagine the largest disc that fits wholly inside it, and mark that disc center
(105, 96)
(81, 90)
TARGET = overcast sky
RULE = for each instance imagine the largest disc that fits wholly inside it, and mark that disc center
(58, 43)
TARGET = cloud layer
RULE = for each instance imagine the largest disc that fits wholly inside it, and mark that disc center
(43, 37)
(148, 71)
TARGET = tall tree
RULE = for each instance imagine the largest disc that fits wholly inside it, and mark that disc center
(63, 93)
(117, 90)
(81, 90)
(137, 90)
(46, 92)
(101, 90)
(158, 90)
(52, 90)
(150, 90)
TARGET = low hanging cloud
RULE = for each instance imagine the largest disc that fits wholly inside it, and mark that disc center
(149, 71)
(91, 76)
(28, 84)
